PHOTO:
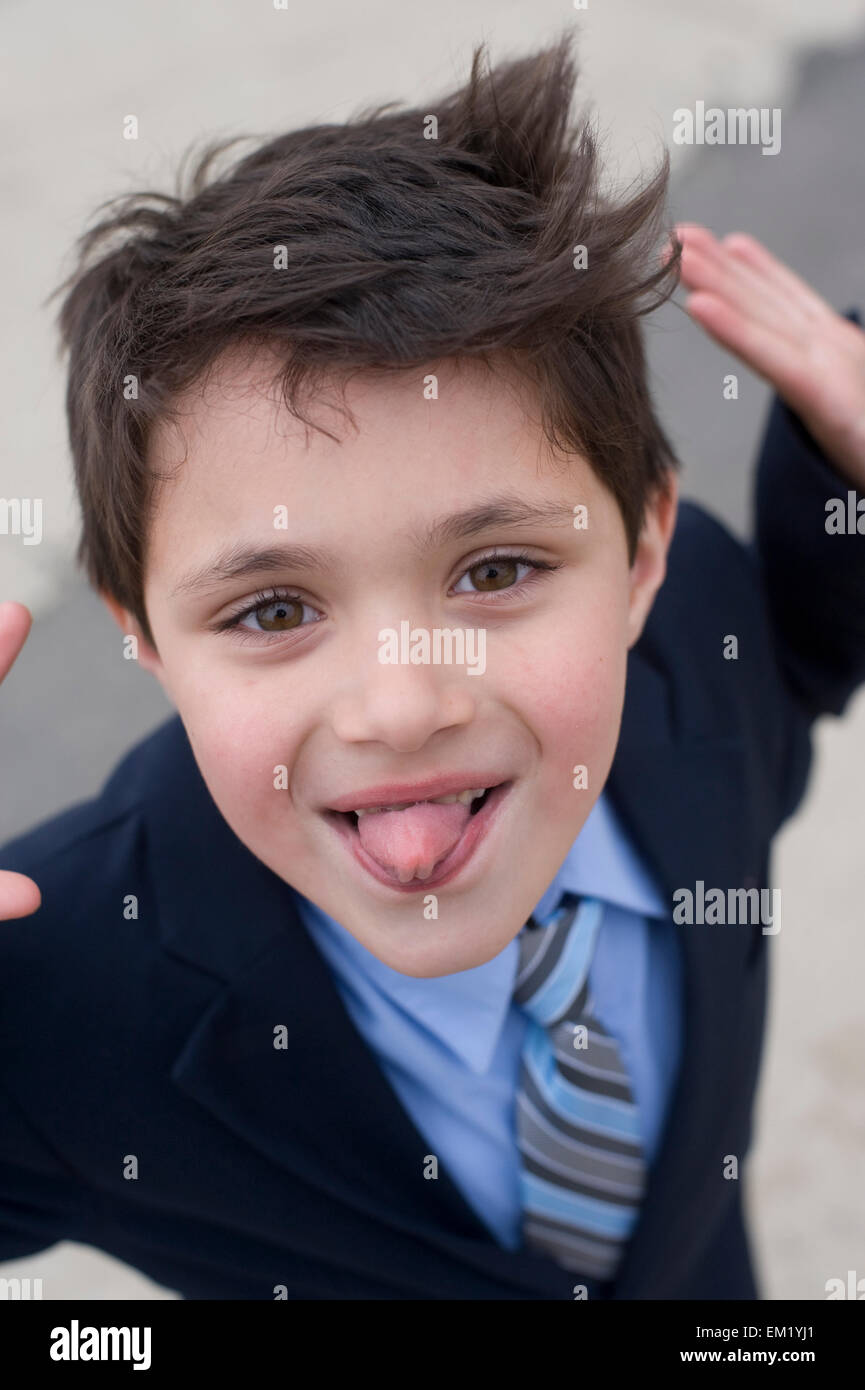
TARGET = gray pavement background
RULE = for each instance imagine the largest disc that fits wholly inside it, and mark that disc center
(72, 706)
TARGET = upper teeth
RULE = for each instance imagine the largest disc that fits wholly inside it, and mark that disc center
(466, 798)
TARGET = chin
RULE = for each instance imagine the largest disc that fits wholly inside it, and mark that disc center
(439, 958)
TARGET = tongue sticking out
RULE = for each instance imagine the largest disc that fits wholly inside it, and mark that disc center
(401, 842)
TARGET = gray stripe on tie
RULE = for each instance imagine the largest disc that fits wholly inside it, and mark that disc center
(603, 1187)
(543, 964)
(586, 1187)
(583, 1079)
(615, 1143)
(598, 1037)
(611, 1070)
(570, 1251)
(532, 947)
(538, 1132)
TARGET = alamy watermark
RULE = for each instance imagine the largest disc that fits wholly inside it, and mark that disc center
(439, 646)
(736, 907)
(77, 1343)
(846, 520)
(739, 125)
(853, 1288)
(20, 1289)
(21, 516)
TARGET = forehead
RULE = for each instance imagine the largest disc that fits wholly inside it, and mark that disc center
(240, 397)
(415, 441)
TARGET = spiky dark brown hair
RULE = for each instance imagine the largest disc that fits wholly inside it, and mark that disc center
(399, 250)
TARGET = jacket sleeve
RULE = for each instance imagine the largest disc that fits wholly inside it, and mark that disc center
(41, 1200)
(814, 580)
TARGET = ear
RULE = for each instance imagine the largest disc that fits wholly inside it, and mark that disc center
(650, 560)
(148, 657)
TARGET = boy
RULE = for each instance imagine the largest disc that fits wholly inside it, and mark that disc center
(361, 978)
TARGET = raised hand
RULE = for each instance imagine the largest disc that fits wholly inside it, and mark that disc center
(19, 895)
(754, 305)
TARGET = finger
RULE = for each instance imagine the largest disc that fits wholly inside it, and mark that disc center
(743, 288)
(695, 234)
(752, 276)
(700, 241)
(749, 251)
(19, 895)
(687, 233)
(15, 621)
(770, 354)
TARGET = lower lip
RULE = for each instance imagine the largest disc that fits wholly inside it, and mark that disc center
(447, 868)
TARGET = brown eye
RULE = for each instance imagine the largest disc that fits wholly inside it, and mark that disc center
(270, 613)
(286, 613)
(494, 574)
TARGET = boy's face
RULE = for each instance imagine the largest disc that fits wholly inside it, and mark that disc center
(294, 712)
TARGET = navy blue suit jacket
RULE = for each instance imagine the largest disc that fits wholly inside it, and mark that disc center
(261, 1169)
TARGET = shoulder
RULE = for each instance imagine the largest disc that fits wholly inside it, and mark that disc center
(713, 591)
(88, 996)
(63, 843)
(85, 861)
(708, 567)
(711, 640)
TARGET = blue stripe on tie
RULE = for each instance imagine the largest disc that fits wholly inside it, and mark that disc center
(557, 991)
(615, 1117)
(544, 1199)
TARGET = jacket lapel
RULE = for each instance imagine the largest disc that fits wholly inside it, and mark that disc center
(683, 799)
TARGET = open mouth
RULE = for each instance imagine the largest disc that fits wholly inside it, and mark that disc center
(419, 844)
(475, 799)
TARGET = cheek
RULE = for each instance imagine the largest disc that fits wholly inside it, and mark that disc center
(240, 742)
(578, 716)
(568, 680)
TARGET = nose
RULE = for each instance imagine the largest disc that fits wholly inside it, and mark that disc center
(402, 705)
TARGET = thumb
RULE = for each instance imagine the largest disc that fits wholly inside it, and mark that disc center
(19, 895)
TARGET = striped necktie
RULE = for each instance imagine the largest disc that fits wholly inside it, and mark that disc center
(582, 1169)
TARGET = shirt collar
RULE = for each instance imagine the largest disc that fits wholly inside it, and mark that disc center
(602, 863)
(466, 1011)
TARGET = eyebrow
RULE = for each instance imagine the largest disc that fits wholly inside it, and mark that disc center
(240, 561)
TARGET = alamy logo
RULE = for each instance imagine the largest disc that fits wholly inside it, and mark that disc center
(853, 1289)
(75, 1343)
(442, 646)
(740, 125)
(21, 516)
(846, 520)
(737, 907)
(20, 1288)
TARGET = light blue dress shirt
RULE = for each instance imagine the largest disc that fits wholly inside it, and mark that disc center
(450, 1045)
